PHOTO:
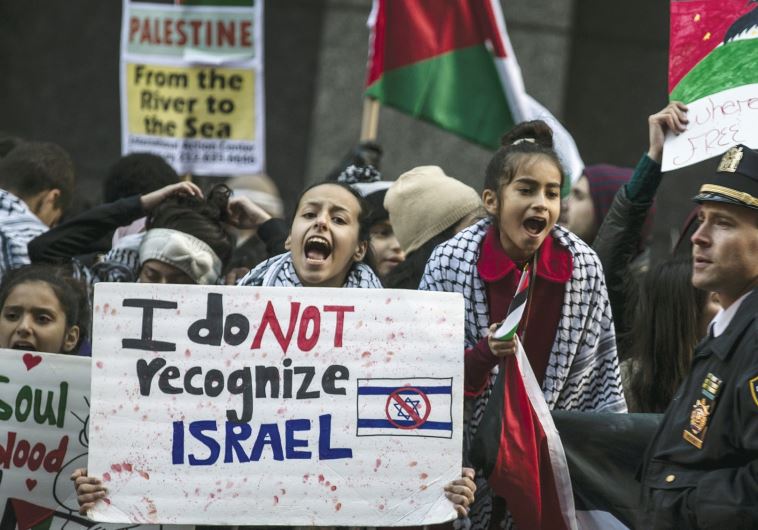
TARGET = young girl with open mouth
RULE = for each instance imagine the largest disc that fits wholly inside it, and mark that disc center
(41, 309)
(326, 246)
(567, 329)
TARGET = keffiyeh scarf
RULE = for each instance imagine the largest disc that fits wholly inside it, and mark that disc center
(582, 371)
(279, 271)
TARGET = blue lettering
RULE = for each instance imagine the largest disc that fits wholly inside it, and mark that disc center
(325, 451)
(233, 439)
(177, 443)
(196, 429)
(268, 434)
(292, 443)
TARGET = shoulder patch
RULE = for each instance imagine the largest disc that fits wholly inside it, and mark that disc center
(754, 389)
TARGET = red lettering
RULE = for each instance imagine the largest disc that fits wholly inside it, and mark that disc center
(340, 310)
(225, 33)
(269, 320)
(182, 35)
(168, 24)
(36, 456)
(21, 454)
(7, 451)
(133, 28)
(145, 34)
(195, 31)
(157, 31)
(245, 34)
(310, 314)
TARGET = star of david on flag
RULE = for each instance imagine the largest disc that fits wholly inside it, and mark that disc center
(405, 407)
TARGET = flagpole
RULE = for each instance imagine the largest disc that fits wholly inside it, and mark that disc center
(370, 120)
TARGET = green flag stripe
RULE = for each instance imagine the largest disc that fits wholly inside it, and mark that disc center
(459, 91)
(728, 66)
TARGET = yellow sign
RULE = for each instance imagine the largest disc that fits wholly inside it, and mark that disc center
(201, 102)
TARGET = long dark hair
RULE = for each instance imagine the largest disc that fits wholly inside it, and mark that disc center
(525, 140)
(407, 275)
(71, 293)
(665, 330)
(201, 218)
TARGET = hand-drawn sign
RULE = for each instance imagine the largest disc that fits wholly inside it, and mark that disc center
(403, 406)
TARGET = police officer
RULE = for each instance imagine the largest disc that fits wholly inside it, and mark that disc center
(701, 468)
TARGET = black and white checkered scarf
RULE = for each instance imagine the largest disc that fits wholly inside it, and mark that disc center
(582, 371)
(279, 271)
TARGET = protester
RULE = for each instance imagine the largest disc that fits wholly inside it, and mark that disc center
(264, 240)
(384, 253)
(620, 237)
(591, 197)
(567, 331)
(700, 468)
(327, 243)
(427, 207)
(42, 309)
(670, 318)
(186, 239)
(36, 185)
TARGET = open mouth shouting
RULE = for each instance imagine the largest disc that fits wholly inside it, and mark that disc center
(534, 226)
(23, 345)
(317, 249)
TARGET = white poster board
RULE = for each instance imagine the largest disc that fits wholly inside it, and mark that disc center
(716, 123)
(192, 86)
(44, 414)
(276, 406)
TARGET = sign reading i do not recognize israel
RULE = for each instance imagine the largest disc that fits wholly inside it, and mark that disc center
(261, 406)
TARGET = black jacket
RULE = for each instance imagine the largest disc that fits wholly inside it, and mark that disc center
(701, 469)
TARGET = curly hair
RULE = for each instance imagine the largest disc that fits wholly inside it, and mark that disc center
(201, 218)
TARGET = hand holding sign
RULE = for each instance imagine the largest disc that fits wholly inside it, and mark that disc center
(673, 118)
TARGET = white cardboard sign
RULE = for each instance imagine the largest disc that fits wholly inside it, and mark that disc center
(43, 431)
(716, 123)
(263, 406)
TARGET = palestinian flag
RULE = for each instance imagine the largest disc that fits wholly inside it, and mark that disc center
(584, 477)
(713, 68)
(448, 62)
(713, 47)
(510, 324)
(519, 451)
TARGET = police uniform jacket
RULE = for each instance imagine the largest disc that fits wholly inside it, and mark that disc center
(701, 468)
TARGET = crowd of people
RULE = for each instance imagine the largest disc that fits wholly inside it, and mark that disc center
(604, 329)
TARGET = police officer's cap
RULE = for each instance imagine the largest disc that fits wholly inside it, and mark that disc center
(735, 180)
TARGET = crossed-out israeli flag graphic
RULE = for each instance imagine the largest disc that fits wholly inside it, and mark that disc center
(405, 407)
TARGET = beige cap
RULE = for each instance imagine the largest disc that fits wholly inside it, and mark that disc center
(423, 202)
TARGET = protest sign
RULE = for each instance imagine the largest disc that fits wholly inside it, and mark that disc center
(192, 86)
(713, 68)
(43, 410)
(286, 406)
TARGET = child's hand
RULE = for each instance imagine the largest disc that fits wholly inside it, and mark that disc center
(500, 348)
(88, 490)
(461, 491)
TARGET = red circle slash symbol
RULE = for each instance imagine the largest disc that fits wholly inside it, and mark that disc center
(404, 403)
